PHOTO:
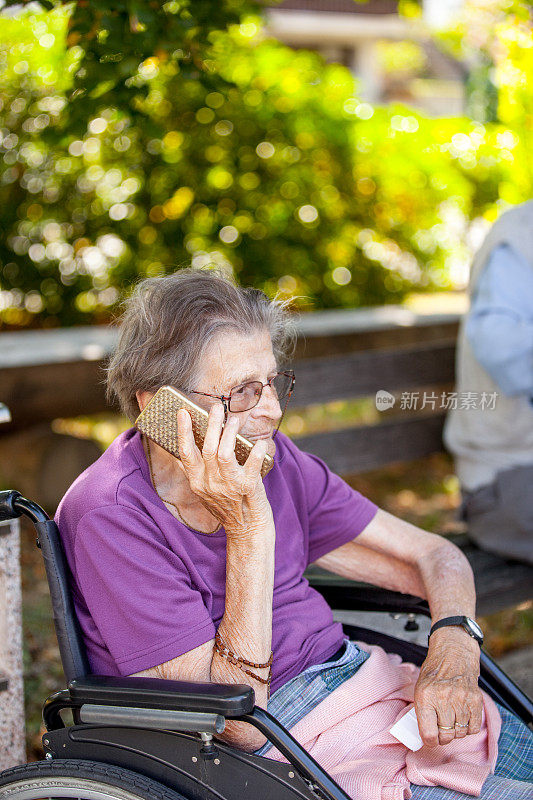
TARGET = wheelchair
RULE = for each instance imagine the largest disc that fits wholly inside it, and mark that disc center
(152, 739)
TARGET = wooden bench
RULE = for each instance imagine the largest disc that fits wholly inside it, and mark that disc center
(340, 355)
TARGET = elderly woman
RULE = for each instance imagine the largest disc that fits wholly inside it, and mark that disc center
(192, 569)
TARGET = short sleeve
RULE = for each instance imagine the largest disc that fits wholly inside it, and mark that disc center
(137, 589)
(336, 512)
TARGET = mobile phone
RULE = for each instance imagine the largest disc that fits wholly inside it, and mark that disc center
(159, 421)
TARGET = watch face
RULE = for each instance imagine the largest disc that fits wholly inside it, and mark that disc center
(474, 628)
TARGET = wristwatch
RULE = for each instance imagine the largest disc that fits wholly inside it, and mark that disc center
(470, 626)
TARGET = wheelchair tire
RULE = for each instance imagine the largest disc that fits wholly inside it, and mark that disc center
(80, 780)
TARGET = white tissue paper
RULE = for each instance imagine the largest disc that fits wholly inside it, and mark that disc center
(406, 731)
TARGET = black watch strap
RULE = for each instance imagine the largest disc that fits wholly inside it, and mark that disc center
(451, 621)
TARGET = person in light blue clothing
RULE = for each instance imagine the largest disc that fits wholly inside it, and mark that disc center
(492, 443)
(500, 323)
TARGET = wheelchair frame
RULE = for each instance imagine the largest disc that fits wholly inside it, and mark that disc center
(164, 730)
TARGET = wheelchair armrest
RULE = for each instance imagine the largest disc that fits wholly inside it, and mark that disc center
(229, 700)
(343, 593)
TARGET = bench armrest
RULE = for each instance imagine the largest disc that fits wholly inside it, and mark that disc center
(228, 700)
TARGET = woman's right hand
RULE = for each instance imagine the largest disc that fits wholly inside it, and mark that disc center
(234, 494)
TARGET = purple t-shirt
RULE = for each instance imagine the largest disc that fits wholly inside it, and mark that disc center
(146, 588)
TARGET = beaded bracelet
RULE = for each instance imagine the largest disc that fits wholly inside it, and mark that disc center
(224, 651)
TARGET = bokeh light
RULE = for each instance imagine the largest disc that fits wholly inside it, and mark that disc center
(250, 156)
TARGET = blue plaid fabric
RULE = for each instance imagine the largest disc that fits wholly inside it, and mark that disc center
(494, 788)
(513, 775)
(301, 694)
(515, 748)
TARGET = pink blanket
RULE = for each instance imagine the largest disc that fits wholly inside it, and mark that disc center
(348, 734)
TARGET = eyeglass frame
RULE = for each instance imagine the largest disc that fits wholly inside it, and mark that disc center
(225, 399)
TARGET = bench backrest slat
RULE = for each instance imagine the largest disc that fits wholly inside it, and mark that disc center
(352, 450)
(320, 380)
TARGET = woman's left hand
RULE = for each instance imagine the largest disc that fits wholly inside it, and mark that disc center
(448, 700)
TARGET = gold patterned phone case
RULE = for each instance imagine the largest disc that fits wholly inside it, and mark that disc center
(159, 421)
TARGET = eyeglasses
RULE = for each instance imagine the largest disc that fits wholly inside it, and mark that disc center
(247, 395)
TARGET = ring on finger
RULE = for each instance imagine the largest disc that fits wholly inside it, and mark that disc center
(459, 725)
(446, 728)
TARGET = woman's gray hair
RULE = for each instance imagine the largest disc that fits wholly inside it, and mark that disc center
(169, 321)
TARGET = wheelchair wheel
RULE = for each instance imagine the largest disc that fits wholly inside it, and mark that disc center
(79, 780)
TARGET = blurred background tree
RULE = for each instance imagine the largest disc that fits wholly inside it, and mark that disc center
(141, 137)
(494, 39)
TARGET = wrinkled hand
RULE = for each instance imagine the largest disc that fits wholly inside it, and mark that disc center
(447, 695)
(234, 494)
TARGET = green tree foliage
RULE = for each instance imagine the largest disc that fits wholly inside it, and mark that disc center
(139, 137)
(495, 39)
